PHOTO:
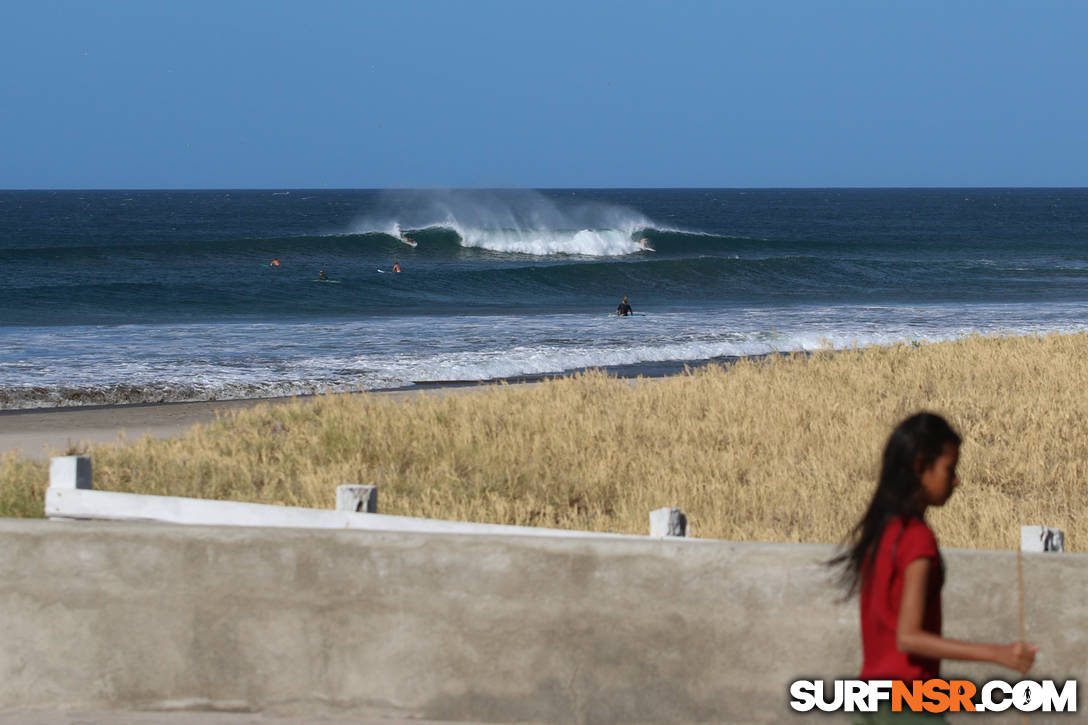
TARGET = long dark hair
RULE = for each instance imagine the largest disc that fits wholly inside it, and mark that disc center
(915, 443)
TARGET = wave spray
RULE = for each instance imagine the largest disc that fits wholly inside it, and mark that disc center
(515, 221)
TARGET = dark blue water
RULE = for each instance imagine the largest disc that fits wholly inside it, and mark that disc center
(168, 295)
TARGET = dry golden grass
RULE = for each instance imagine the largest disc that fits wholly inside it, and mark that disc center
(777, 449)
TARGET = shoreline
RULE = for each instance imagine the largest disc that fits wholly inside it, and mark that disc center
(38, 433)
(650, 369)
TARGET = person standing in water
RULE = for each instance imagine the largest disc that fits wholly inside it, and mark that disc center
(892, 559)
(624, 309)
(396, 267)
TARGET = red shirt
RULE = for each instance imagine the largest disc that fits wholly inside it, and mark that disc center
(904, 540)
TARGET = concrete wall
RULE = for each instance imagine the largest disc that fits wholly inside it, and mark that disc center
(453, 627)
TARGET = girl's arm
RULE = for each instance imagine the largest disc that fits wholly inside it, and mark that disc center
(912, 639)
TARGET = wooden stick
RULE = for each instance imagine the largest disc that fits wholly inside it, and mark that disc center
(1020, 593)
(1020, 588)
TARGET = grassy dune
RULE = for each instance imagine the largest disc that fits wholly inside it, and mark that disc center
(778, 449)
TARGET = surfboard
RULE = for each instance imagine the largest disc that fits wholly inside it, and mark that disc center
(633, 314)
(382, 271)
(330, 281)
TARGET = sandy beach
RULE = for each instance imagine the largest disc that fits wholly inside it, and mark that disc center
(41, 433)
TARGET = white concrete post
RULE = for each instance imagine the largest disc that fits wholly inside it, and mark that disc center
(668, 522)
(359, 499)
(70, 472)
(1041, 538)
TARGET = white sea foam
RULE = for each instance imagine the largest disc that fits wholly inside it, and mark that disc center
(51, 366)
(590, 242)
(522, 222)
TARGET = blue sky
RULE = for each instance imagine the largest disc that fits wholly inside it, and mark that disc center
(592, 93)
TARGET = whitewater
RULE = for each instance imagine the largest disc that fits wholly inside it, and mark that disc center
(137, 297)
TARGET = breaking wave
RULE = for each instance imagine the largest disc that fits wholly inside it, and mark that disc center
(514, 222)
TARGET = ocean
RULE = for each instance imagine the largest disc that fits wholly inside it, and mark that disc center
(110, 297)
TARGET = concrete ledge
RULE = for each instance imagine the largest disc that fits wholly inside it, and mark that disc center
(126, 616)
(88, 504)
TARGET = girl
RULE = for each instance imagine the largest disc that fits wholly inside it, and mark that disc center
(894, 561)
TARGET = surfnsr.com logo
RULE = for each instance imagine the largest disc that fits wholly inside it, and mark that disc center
(934, 696)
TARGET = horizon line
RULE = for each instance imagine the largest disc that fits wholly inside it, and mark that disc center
(534, 188)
